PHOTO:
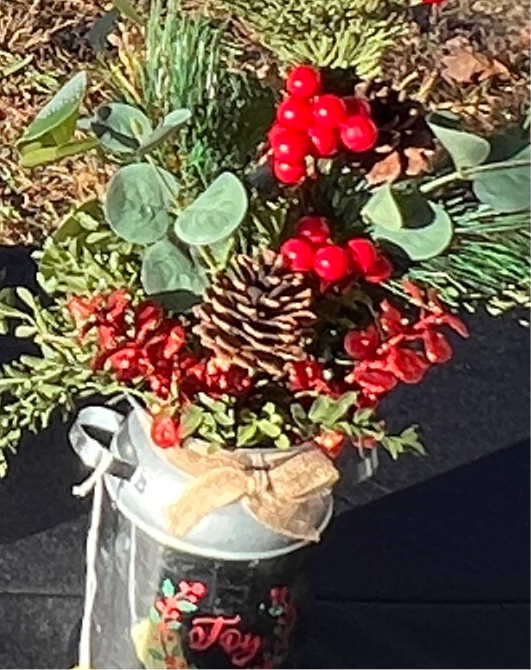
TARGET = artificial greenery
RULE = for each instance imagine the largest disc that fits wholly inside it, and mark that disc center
(327, 33)
(182, 65)
(225, 423)
(34, 386)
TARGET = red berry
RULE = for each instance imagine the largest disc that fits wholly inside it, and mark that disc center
(359, 133)
(379, 272)
(357, 106)
(303, 82)
(289, 173)
(291, 147)
(314, 228)
(165, 432)
(324, 141)
(363, 253)
(275, 132)
(329, 111)
(331, 263)
(298, 254)
(295, 113)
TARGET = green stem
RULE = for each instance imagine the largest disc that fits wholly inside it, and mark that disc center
(469, 173)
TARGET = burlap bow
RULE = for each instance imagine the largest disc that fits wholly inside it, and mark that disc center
(284, 495)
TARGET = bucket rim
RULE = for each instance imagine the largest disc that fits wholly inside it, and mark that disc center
(167, 540)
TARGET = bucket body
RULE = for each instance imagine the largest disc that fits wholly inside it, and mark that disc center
(226, 594)
(157, 607)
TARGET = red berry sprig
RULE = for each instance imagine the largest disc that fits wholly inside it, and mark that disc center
(310, 124)
(312, 250)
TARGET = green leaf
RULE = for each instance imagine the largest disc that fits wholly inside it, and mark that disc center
(121, 128)
(190, 420)
(174, 625)
(506, 189)
(283, 442)
(169, 125)
(154, 653)
(320, 409)
(61, 110)
(382, 209)
(215, 214)
(165, 268)
(186, 607)
(222, 250)
(397, 206)
(269, 428)
(363, 416)
(25, 331)
(41, 155)
(26, 297)
(299, 416)
(126, 8)
(421, 243)
(154, 615)
(139, 201)
(246, 434)
(168, 589)
(340, 407)
(465, 149)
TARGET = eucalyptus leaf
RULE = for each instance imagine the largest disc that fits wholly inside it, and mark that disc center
(190, 420)
(166, 268)
(246, 434)
(39, 155)
(61, 109)
(139, 201)
(382, 209)
(121, 128)
(421, 243)
(320, 409)
(398, 206)
(465, 149)
(506, 189)
(215, 214)
(170, 124)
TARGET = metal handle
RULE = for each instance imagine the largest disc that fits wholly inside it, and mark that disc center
(89, 449)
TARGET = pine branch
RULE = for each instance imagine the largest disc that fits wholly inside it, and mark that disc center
(183, 66)
(487, 263)
(327, 33)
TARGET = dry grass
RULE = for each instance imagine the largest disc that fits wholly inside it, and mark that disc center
(495, 33)
(42, 42)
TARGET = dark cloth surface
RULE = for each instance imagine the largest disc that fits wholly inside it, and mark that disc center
(427, 566)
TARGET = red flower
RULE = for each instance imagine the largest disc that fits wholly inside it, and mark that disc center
(330, 442)
(360, 344)
(438, 349)
(192, 591)
(407, 365)
(373, 382)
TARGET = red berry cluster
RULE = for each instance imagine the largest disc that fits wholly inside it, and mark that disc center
(310, 123)
(139, 345)
(311, 250)
(395, 349)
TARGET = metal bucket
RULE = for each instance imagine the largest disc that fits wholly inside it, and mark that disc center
(226, 594)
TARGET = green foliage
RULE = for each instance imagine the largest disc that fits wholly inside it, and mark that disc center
(139, 201)
(465, 149)
(34, 386)
(167, 268)
(55, 123)
(327, 33)
(183, 67)
(403, 216)
(169, 125)
(121, 128)
(423, 242)
(506, 189)
(215, 214)
(85, 256)
(488, 263)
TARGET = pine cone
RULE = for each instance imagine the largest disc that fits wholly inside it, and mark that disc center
(257, 314)
(405, 142)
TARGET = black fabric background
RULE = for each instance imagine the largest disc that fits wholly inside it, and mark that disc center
(426, 566)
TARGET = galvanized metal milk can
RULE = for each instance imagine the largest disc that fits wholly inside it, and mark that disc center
(195, 560)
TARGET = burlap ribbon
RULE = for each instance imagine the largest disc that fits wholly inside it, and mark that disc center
(285, 493)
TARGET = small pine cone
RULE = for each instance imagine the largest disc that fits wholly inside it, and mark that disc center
(257, 314)
(405, 142)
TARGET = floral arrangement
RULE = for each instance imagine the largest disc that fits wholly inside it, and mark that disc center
(274, 300)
